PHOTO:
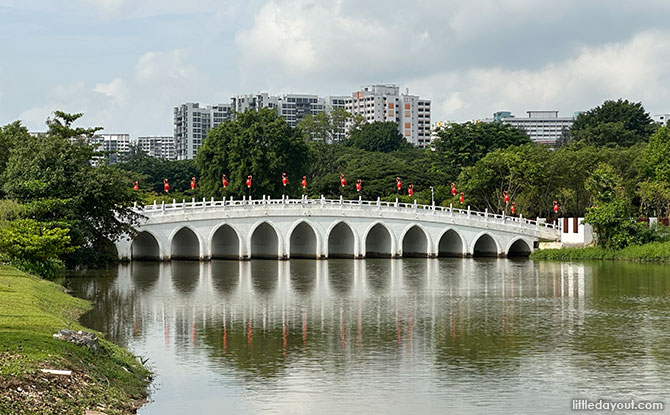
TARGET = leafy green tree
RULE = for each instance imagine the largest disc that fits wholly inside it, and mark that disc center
(377, 136)
(257, 143)
(53, 176)
(10, 134)
(613, 123)
(462, 145)
(33, 247)
(150, 171)
(654, 191)
(325, 127)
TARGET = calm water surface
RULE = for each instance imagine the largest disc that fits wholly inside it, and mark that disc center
(465, 336)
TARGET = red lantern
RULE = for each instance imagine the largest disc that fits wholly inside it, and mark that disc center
(398, 183)
(506, 196)
(410, 191)
(556, 207)
(343, 181)
(359, 185)
(166, 185)
(453, 189)
(192, 183)
(224, 181)
(137, 186)
(284, 179)
(303, 183)
(513, 208)
(461, 198)
(249, 181)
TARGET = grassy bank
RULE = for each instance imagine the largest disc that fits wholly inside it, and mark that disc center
(651, 252)
(109, 380)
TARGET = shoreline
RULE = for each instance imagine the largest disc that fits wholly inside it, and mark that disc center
(109, 380)
(654, 252)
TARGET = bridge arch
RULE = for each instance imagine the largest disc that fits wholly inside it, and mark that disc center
(415, 242)
(451, 243)
(485, 245)
(185, 244)
(145, 246)
(379, 241)
(304, 240)
(518, 247)
(265, 241)
(225, 242)
(342, 240)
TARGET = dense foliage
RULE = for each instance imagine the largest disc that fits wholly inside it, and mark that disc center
(377, 136)
(613, 123)
(256, 143)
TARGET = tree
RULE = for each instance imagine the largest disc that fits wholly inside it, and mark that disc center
(257, 143)
(377, 136)
(53, 176)
(654, 192)
(462, 145)
(150, 171)
(613, 123)
(10, 134)
(325, 127)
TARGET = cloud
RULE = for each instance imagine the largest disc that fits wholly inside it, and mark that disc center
(140, 104)
(638, 69)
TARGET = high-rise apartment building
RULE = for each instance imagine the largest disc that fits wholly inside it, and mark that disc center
(386, 103)
(543, 127)
(162, 147)
(191, 124)
(112, 145)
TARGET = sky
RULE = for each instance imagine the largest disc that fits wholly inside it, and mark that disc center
(127, 63)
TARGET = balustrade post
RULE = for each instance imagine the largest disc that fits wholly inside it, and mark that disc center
(154, 203)
(163, 206)
(323, 200)
(486, 214)
(396, 202)
(468, 210)
(414, 205)
(174, 203)
(451, 208)
(134, 205)
(379, 202)
(193, 201)
(503, 216)
(520, 220)
(341, 199)
(183, 204)
(360, 200)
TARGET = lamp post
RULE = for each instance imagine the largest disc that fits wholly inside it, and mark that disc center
(432, 195)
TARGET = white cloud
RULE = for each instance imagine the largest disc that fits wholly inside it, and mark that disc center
(638, 69)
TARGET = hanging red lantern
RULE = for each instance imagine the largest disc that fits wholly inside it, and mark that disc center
(461, 198)
(192, 183)
(137, 186)
(359, 185)
(453, 189)
(556, 208)
(513, 208)
(343, 180)
(398, 183)
(410, 191)
(284, 179)
(249, 181)
(506, 196)
(224, 181)
(303, 183)
(166, 185)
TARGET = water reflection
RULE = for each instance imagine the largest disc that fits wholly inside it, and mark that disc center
(348, 331)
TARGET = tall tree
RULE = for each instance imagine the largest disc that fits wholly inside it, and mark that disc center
(462, 145)
(257, 143)
(53, 175)
(377, 136)
(613, 123)
(10, 134)
(325, 127)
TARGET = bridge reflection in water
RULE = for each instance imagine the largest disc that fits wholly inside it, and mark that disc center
(386, 335)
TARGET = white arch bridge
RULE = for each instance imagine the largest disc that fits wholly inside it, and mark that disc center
(324, 228)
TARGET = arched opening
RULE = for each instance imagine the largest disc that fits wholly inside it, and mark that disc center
(264, 242)
(378, 242)
(485, 246)
(303, 242)
(225, 243)
(519, 249)
(145, 248)
(341, 241)
(451, 245)
(415, 243)
(185, 245)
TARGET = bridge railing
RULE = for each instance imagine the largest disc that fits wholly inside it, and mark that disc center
(245, 203)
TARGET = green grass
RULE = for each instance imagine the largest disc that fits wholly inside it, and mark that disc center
(31, 311)
(651, 252)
